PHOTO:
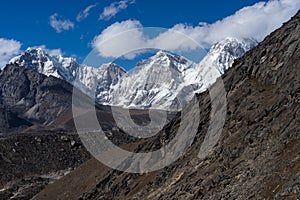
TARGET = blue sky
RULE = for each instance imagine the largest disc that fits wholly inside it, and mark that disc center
(28, 23)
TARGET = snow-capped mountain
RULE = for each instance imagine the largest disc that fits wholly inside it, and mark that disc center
(219, 59)
(164, 81)
(225, 51)
(39, 60)
(84, 77)
(153, 83)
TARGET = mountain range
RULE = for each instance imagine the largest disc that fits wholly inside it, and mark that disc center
(256, 155)
(163, 81)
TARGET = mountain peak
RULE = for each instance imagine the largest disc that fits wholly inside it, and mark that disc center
(32, 54)
(112, 66)
(227, 50)
(154, 82)
(38, 52)
(35, 49)
(162, 53)
(230, 43)
(84, 77)
(164, 59)
(39, 60)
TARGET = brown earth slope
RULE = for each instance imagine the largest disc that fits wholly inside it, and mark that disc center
(257, 156)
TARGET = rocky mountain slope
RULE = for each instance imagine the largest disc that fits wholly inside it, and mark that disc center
(256, 157)
(30, 97)
(164, 81)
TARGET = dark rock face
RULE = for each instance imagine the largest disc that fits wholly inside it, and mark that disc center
(32, 153)
(10, 120)
(257, 156)
(32, 97)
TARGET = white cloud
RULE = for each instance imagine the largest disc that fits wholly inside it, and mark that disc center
(121, 38)
(8, 49)
(51, 52)
(254, 21)
(60, 24)
(54, 52)
(85, 13)
(111, 10)
(125, 36)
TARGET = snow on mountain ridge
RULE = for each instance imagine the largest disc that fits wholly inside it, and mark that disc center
(153, 83)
